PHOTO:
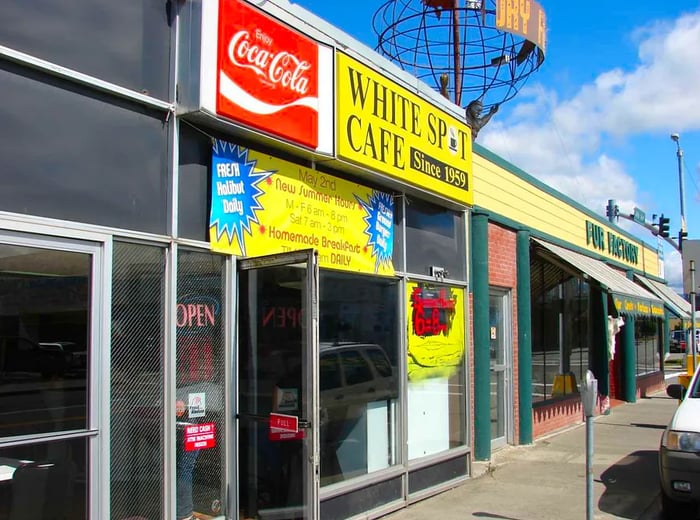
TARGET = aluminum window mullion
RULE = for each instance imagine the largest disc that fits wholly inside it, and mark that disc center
(231, 385)
(23, 440)
(99, 488)
(169, 378)
(84, 79)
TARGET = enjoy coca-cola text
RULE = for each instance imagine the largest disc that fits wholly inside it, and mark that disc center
(281, 67)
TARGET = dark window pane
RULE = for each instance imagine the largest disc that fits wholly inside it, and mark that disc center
(44, 340)
(353, 503)
(434, 237)
(194, 184)
(127, 43)
(355, 367)
(330, 372)
(380, 362)
(560, 329)
(137, 444)
(359, 329)
(399, 263)
(72, 156)
(47, 480)
(647, 343)
(437, 474)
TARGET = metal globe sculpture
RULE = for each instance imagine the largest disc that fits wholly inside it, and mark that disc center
(477, 53)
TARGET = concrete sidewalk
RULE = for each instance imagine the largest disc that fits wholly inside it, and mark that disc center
(547, 480)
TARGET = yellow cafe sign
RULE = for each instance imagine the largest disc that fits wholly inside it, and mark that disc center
(385, 127)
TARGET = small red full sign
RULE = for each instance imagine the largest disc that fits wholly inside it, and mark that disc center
(280, 422)
(200, 436)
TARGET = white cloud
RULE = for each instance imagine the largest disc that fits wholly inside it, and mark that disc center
(559, 141)
(673, 267)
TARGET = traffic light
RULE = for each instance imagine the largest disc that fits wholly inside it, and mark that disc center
(663, 226)
(682, 235)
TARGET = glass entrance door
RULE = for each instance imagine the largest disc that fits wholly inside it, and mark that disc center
(277, 411)
(500, 353)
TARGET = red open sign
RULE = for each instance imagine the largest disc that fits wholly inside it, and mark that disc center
(280, 422)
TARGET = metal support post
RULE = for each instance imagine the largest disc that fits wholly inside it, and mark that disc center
(693, 330)
(589, 468)
(589, 400)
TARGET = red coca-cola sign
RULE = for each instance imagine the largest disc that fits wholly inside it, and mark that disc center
(267, 74)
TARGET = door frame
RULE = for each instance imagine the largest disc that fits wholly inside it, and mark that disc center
(42, 234)
(506, 306)
(311, 390)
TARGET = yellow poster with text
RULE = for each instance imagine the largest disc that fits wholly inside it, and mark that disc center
(263, 205)
(387, 128)
(436, 339)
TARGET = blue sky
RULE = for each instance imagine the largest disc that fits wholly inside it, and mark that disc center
(595, 120)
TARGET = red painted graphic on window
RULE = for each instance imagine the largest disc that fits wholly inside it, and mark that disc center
(433, 310)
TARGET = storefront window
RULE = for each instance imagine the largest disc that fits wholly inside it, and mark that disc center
(199, 405)
(45, 356)
(399, 260)
(359, 375)
(91, 39)
(44, 480)
(647, 343)
(131, 191)
(435, 237)
(137, 379)
(44, 339)
(436, 381)
(560, 330)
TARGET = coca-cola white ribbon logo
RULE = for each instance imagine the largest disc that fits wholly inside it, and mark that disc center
(280, 68)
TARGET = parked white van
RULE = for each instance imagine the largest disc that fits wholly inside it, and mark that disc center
(679, 454)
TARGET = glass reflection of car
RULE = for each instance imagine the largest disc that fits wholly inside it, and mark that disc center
(354, 373)
(52, 358)
(679, 454)
(351, 375)
(74, 355)
(677, 342)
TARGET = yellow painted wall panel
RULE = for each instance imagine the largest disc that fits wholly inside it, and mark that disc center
(506, 194)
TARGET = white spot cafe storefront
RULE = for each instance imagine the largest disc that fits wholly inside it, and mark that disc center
(242, 291)
(332, 203)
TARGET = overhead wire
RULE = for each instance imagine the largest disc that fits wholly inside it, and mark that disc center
(692, 178)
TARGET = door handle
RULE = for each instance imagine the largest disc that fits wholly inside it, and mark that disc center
(253, 417)
(303, 423)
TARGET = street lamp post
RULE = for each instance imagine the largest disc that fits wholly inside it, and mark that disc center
(679, 153)
(676, 138)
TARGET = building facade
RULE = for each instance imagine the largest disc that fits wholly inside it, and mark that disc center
(595, 300)
(250, 269)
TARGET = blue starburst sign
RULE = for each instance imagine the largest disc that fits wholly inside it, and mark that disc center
(379, 218)
(234, 193)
